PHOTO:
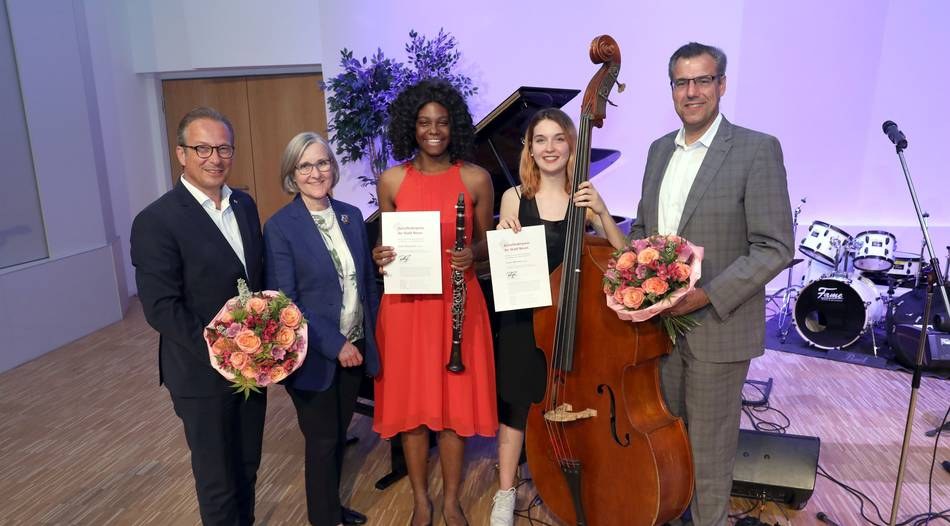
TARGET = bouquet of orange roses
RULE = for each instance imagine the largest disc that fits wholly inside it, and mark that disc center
(256, 339)
(649, 276)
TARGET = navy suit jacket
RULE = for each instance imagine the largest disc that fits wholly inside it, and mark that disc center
(299, 264)
(185, 271)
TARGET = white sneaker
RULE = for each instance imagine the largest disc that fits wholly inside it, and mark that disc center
(503, 508)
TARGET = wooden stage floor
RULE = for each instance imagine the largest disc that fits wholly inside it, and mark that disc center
(88, 437)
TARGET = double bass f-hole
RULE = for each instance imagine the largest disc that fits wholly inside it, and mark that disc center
(613, 416)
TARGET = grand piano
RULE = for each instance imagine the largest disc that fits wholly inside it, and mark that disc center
(498, 142)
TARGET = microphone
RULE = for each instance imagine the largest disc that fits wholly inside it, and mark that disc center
(826, 519)
(894, 134)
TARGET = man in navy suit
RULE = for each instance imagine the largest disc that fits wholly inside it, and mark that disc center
(189, 248)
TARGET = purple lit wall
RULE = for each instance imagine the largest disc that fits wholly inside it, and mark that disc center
(821, 76)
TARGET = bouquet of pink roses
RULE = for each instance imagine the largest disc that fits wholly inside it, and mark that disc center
(649, 276)
(256, 339)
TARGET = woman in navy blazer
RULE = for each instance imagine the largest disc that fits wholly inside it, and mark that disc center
(317, 252)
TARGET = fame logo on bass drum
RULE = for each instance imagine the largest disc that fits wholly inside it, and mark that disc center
(830, 294)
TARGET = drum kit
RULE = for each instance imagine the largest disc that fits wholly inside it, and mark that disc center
(849, 286)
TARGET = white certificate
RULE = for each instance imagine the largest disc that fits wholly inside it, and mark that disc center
(519, 268)
(417, 239)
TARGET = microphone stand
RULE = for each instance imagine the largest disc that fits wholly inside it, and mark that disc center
(934, 279)
(915, 386)
(934, 262)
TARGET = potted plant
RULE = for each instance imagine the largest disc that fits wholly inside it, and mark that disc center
(360, 95)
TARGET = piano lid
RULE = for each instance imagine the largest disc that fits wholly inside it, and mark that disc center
(498, 136)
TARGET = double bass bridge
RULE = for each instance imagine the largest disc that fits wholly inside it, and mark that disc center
(565, 413)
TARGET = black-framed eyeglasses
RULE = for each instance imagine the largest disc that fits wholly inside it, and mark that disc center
(703, 81)
(323, 166)
(225, 151)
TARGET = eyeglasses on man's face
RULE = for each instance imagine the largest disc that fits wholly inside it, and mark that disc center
(703, 81)
(225, 151)
(323, 166)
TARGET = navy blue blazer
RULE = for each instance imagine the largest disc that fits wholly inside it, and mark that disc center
(298, 263)
(185, 271)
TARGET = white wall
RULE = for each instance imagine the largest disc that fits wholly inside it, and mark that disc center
(78, 289)
(183, 35)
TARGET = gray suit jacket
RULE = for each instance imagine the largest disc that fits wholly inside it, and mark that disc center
(738, 211)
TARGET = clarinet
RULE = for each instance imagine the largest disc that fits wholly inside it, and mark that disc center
(455, 364)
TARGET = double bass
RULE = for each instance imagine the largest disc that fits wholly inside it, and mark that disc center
(602, 447)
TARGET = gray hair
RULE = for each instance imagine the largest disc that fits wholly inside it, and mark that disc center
(202, 112)
(695, 49)
(294, 151)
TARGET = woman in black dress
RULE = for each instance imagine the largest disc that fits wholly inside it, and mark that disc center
(547, 167)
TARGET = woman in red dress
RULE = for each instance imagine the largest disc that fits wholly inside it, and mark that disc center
(431, 128)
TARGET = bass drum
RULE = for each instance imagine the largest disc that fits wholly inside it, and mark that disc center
(833, 312)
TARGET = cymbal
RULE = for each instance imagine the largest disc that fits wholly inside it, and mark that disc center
(794, 262)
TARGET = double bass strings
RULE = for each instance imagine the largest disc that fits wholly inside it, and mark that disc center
(565, 330)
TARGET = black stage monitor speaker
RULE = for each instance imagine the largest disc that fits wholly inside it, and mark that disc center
(904, 339)
(780, 468)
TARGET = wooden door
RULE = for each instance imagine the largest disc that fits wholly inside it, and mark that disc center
(280, 107)
(266, 112)
(227, 95)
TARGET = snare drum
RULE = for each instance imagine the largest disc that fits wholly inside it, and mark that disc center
(906, 266)
(875, 251)
(833, 312)
(823, 241)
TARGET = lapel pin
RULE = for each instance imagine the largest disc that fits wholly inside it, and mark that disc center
(345, 218)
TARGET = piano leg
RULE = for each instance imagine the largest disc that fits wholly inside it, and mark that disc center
(397, 460)
(397, 465)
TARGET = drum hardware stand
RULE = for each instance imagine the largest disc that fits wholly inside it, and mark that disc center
(847, 247)
(933, 278)
(871, 330)
(790, 292)
(923, 246)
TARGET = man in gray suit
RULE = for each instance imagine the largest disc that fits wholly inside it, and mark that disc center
(721, 187)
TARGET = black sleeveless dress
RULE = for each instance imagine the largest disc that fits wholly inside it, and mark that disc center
(520, 368)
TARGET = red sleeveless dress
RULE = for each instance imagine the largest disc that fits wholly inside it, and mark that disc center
(414, 334)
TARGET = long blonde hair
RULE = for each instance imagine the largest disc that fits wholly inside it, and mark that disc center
(530, 173)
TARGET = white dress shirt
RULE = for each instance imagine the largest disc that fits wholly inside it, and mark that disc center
(224, 218)
(679, 176)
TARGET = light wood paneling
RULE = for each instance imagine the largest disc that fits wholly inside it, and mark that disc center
(266, 112)
(89, 438)
(227, 95)
(280, 107)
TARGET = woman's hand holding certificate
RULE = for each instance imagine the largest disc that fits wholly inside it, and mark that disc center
(519, 266)
(410, 253)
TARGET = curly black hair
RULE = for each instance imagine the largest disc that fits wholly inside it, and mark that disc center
(405, 108)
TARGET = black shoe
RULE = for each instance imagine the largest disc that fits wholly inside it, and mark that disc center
(353, 517)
